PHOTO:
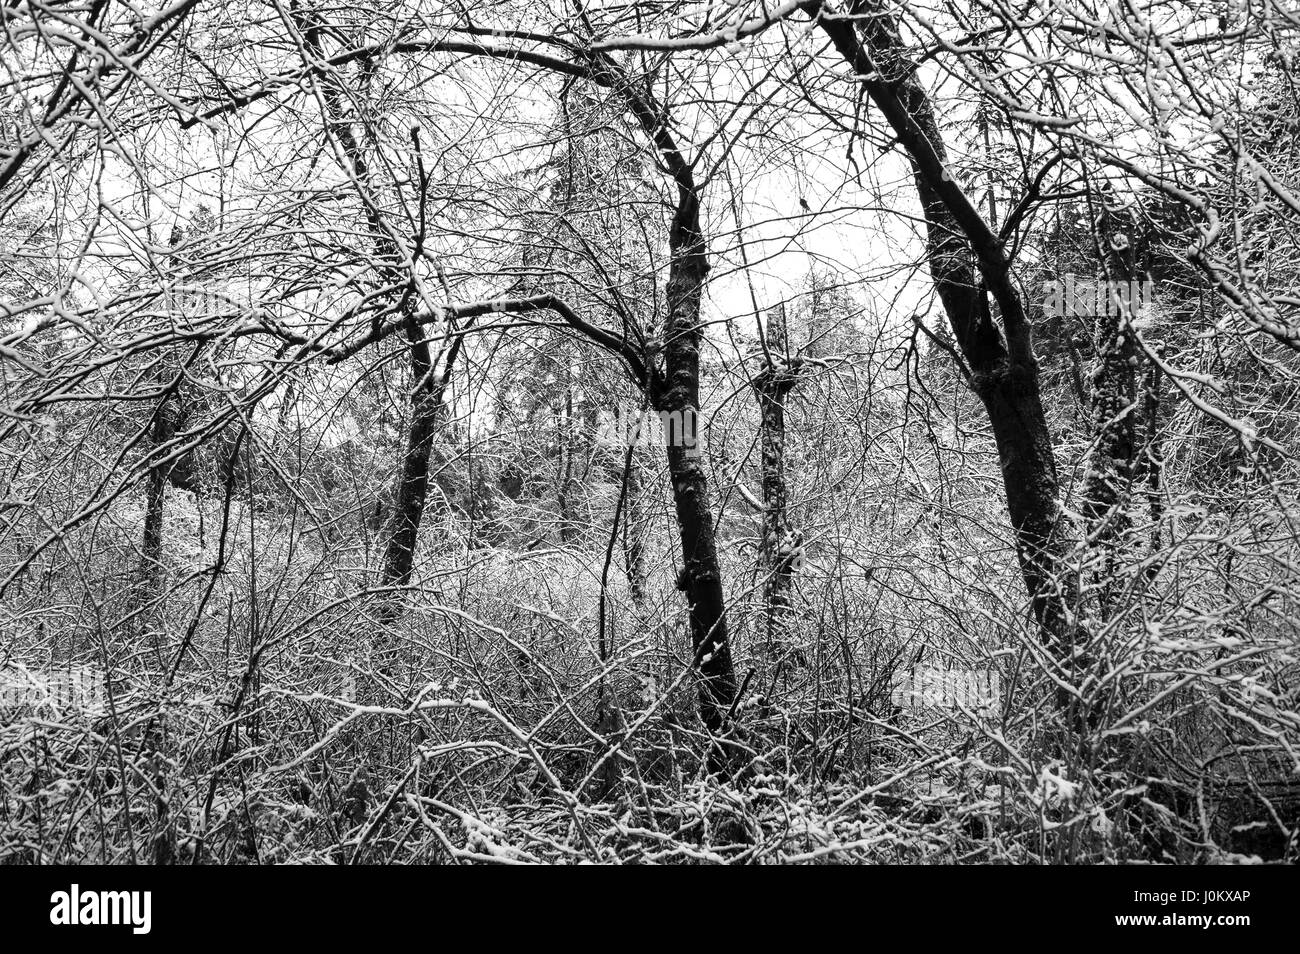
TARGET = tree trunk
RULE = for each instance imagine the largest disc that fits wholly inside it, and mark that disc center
(968, 263)
(676, 392)
(780, 543)
(413, 479)
(161, 432)
(1120, 456)
(427, 387)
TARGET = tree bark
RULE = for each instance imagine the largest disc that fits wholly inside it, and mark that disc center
(413, 479)
(968, 264)
(676, 392)
(1122, 400)
(428, 388)
(780, 542)
(1108, 476)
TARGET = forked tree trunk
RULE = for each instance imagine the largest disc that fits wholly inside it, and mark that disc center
(428, 387)
(674, 390)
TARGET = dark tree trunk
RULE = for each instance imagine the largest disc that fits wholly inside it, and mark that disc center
(428, 388)
(161, 432)
(413, 478)
(674, 390)
(969, 264)
(1151, 464)
(1108, 477)
(701, 574)
(676, 393)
